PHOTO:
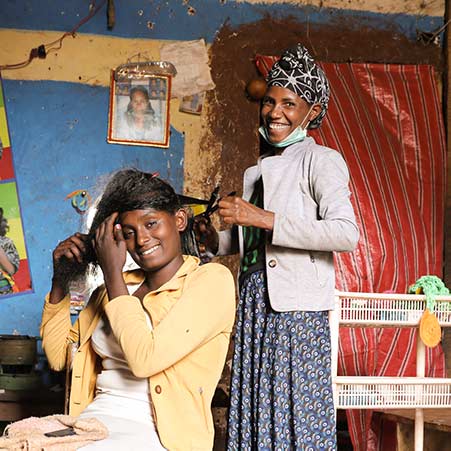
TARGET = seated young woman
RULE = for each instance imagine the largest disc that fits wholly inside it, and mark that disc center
(151, 343)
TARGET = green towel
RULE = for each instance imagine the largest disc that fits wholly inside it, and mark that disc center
(431, 286)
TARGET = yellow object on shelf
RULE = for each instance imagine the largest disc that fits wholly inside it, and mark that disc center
(430, 330)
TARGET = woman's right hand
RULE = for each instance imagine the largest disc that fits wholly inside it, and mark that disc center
(206, 235)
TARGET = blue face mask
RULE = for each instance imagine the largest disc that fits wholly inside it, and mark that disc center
(297, 135)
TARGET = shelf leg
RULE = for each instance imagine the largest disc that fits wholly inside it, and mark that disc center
(419, 429)
(419, 414)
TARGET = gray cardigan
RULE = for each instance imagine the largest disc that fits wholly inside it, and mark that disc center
(307, 189)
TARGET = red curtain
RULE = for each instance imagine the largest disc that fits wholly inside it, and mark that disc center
(386, 121)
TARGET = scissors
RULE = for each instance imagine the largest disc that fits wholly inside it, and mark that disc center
(213, 203)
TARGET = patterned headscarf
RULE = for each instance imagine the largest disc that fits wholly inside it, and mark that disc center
(297, 71)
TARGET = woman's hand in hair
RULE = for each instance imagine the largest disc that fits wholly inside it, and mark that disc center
(206, 235)
(111, 251)
(67, 255)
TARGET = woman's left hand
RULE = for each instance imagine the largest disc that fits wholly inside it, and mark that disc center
(235, 210)
(110, 246)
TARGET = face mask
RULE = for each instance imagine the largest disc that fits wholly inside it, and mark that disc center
(297, 135)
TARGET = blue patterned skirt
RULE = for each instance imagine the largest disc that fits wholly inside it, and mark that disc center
(281, 390)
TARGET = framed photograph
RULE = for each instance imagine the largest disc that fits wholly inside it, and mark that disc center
(192, 104)
(139, 111)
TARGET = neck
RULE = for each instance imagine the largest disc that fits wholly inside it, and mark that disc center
(156, 279)
(278, 150)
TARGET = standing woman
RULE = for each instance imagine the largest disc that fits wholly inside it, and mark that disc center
(294, 213)
(151, 343)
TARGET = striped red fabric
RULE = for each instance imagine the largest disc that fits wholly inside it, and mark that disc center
(386, 120)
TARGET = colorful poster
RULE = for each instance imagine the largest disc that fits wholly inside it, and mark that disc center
(6, 163)
(14, 271)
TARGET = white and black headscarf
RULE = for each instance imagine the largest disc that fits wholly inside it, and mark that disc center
(297, 71)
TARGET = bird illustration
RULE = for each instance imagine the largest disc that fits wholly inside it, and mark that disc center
(80, 200)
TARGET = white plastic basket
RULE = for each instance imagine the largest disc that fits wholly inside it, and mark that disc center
(392, 393)
(392, 310)
(383, 393)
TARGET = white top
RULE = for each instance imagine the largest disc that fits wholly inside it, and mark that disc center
(118, 392)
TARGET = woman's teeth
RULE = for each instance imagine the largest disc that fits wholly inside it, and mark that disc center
(277, 126)
(151, 250)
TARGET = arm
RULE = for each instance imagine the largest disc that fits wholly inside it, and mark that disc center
(195, 319)
(331, 224)
(235, 210)
(9, 257)
(67, 253)
(57, 332)
(111, 252)
(5, 264)
(56, 326)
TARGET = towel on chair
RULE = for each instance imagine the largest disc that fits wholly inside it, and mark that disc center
(28, 434)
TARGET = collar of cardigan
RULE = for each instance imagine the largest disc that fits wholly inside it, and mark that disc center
(189, 265)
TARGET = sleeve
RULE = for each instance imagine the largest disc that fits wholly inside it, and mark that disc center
(331, 226)
(196, 318)
(11, 253)
(228, 241)
(57, 332)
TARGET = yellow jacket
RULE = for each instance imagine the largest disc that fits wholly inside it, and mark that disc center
(183, 356)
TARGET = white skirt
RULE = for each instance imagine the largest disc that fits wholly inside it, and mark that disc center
(129, 423)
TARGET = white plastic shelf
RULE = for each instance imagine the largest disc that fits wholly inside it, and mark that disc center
(392, 392)
(389, 310)
(383, 393)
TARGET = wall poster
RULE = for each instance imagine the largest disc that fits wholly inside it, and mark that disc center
(14, 270)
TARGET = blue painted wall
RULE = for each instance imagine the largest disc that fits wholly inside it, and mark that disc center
(181, 20)
(58, 135)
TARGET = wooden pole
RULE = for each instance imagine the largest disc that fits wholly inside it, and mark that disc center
(447, 238)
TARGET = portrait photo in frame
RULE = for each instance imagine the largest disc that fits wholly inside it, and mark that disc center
(139, 111)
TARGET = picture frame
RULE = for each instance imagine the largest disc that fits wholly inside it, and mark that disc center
(192, 104)
(139, 110)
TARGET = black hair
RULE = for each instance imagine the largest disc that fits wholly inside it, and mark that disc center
(139, 88)
(127, 190)
(143, 90)
(132, 189)
(4, 227)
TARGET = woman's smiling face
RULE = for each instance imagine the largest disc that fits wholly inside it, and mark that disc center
(153, 238)
(139, 102)
(282, 111)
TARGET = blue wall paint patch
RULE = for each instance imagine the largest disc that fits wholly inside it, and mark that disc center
(58, 137)
(180, 20)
